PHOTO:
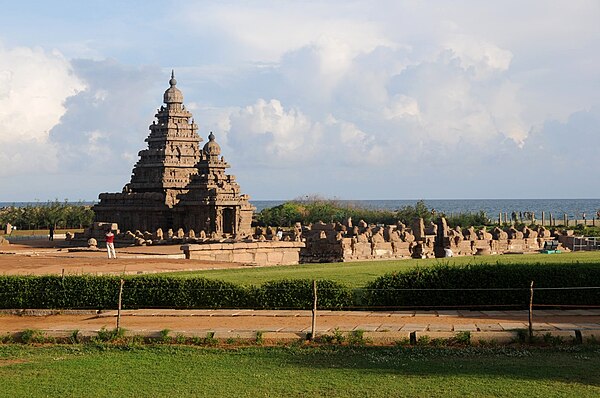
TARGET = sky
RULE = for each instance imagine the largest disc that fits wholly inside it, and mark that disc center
(342, 99)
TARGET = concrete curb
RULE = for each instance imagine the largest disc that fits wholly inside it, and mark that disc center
(370, 338)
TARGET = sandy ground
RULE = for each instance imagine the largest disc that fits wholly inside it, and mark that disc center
(41, 257)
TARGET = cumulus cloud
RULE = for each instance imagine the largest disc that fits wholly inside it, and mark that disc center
(348, 100)
(275, 134)
(106, 123)
(34, 85)
(266, 32)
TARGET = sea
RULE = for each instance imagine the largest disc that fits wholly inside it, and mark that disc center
(573, 208)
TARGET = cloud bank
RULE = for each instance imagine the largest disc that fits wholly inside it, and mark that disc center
(405, 100)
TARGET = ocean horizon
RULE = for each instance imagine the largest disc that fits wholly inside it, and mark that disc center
(573, 208)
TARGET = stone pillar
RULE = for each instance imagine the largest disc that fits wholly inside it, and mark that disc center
(543, 218)
(419, 229)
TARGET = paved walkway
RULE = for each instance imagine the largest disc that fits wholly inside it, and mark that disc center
(244, 321)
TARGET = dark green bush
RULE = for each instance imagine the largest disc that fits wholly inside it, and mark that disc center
(102, 292)
(468, 286)
(298, 294)
(502, 285)
(58, 292)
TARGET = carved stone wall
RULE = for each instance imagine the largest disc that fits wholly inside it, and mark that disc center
(337, 242)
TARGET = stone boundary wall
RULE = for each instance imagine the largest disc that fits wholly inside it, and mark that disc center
(253, 253)
(337, 242)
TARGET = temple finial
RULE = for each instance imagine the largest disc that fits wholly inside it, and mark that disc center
(172, 82)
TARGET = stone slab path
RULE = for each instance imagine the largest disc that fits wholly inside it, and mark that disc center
(243, 321)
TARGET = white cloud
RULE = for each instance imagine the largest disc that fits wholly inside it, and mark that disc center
(402, 106)
(34, 85)
(483, 57)
(273, 133)
(265, 32)
(366, 99)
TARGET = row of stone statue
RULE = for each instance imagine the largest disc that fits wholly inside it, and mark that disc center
(159, 237)
(401, 233)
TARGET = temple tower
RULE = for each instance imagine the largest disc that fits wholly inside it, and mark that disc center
(175, 184)
(173, 150)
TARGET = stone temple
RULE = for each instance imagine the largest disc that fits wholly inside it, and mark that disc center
(176, 183)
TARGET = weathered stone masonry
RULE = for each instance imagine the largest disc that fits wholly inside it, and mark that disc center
(335, 242)
(176, 184)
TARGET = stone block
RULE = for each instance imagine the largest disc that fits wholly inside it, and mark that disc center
(290, 257)
(283, 336)
(260, 258)
(386, 337)
(590, 336)
(274, 257)
(494, 337)
(233, 334)
(434, 335)
(223, 255)
(566, 335)
(240, 256)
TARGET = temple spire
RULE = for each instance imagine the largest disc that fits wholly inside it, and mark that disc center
(172, 82)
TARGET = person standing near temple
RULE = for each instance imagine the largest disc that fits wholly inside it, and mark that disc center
(51, 232)
(110, 245)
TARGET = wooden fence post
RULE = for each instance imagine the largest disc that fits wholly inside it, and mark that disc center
(531, 311)
(120, 304)
(314, 313)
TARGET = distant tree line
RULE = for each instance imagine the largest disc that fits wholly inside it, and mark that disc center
(313, 210)
(44, 215)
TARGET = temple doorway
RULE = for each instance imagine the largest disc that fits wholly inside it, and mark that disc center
(228, 221)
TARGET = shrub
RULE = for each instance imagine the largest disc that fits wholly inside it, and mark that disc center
(502, 285)
(164, 291)
(298, 294)
(32, 336)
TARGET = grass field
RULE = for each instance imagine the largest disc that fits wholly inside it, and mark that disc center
(356, 274)
(297, 372)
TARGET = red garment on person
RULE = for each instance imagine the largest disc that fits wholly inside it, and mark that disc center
(110, 237)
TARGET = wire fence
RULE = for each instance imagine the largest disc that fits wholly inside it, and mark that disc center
(135, 297)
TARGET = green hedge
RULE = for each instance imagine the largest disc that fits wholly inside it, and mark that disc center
(394, 290)
(502, 286)
(299, 294)
(102, 292)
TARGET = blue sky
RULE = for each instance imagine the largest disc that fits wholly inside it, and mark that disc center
(347, 99)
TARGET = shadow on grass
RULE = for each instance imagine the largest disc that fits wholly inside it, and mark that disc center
(566, 365)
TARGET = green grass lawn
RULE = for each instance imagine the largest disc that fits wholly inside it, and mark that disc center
(356, 274)
(297, 372)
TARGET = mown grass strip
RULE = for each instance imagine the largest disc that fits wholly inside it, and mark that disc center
(97, 371)
(358, 274)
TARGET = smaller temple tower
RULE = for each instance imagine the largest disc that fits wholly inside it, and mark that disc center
(175, 184)
(214, 197)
